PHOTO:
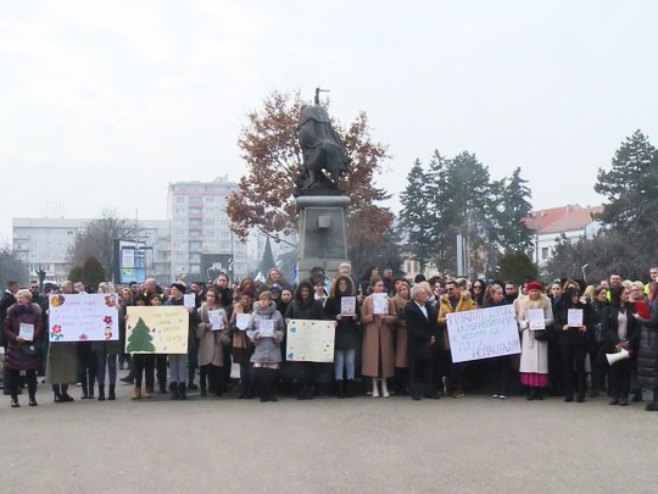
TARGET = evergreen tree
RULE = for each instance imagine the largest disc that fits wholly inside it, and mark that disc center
(512, 197)
(140, 338)
(75, 274)
(516, 266)
(385, 253)
(268, 259)
(443, 233)
(92, 272)
(416, 216)
(631, 188)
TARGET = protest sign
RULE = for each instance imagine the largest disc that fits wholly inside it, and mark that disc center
(83, 317)
(161, 329)
(216, 321)
(379, 303)
(483, 333)
(575, 318)
(242, 321)
(347, 306)
(536, 319)
(310, 341)
(266, 328)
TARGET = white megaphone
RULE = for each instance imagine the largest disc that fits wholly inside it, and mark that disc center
(616, 357)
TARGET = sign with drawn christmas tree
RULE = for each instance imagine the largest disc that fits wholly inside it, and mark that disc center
(83, 317)
(161, 329)
(310, 341)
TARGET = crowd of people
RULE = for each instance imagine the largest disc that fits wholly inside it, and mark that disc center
(391, 336)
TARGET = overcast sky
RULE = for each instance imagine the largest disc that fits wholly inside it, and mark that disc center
(102, 104)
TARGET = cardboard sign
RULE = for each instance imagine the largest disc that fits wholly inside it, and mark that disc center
(162, 329)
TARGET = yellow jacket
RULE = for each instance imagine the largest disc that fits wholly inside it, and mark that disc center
(464, 303)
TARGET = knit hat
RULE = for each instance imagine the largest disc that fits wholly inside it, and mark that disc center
(179, 285)
(534, 285)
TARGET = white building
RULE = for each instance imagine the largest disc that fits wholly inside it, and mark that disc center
(45, 243)
(201, 236)
(550, 225)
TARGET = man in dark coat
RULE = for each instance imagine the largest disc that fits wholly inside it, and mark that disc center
(423, 344)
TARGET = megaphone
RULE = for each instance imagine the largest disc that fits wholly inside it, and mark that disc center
(616, 357)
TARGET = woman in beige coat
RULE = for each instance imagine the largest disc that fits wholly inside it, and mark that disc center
(213, 335)
(378, 349)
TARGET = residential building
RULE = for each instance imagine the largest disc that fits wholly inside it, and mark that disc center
(551, 225)
(45, 243)
(201, 234)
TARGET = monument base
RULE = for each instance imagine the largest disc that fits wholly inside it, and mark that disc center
(322, 233)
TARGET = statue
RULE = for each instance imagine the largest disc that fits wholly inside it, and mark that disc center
(322, 151)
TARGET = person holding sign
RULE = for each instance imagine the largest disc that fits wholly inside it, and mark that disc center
(572, 321)
(378, 355)
(242, 347)
(178, 363)
(399, 301)
(212, 332)
(454, 300)
(266, 329)
(534, 353)
(304, 306)
(342, 307)
(22, 331)
(621, 332)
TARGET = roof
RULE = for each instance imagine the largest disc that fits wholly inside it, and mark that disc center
(567, 218)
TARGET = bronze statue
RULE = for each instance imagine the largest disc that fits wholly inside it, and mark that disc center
(322, 151)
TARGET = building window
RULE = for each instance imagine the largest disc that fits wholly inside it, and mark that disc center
(180, 199)
(544, 253)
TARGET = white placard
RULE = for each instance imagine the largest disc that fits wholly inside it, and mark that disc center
(189, 300)
(26, 331)
(83, 317)
(380, 303)
(575, 318)
(216, 321)
(347, 306)
(536, 319)
(266, 328)
(310, 341)
(242, 321)
(483, 333)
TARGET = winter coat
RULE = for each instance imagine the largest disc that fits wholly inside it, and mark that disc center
(420, 330)
(610, 327)
(378, 345)
(464, 302)
(267, 350)
(62, 363)
(311, 309)
(647, 361)
(534, 353)
(572, 336)
(348, 333)
(241, 345)
(17, 314)
(401, 357)
(211, 343)
(7, 300)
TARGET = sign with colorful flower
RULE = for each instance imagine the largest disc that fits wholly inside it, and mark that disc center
(83, 317)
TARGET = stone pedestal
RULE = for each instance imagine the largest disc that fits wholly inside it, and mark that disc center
(322, 233)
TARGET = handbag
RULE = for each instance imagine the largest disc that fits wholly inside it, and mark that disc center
(543, 334)
(29, 349)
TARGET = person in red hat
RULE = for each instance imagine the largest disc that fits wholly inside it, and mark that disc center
(534, 352)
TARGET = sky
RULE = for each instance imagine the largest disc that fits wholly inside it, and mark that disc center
(104, 103)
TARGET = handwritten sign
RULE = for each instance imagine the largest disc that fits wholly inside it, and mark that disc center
(242, 321)
(536, 319)
(483, 333)
(575, 318)
(162, 329)
(266, 328)
(83, 317)
(310, 341)
(379, 303)
(347, 306)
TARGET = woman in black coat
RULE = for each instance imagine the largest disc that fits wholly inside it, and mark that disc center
(495, 297)
(621, 331)
(348, 335)
(572, 341)
(647, 363)
(596, 340)
(423, 344)
(304, 306)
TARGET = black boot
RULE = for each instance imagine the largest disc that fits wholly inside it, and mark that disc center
(182, 391)
(91, 390)
(112, 395)
(350, 388)
(204, 392)
(85, 394)
(569, 397)
(340, 389)
(539, 394)
(101, 392)
(264, 384)
(173, 388)
(532, 394)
